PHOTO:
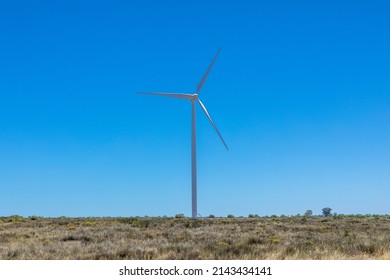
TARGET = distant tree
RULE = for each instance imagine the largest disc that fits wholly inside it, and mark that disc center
(326, 211)
(211, 216)
(251, 216)
(230, 216)
(308, 213)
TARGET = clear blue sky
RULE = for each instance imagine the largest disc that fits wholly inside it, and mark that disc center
(300, 92)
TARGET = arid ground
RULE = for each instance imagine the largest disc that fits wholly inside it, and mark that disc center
(336, 238)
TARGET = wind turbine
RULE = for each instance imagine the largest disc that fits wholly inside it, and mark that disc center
(193, 97)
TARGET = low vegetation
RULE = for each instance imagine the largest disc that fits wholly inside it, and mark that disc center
(278, 237)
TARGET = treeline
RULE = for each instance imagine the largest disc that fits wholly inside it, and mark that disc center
(307, 215)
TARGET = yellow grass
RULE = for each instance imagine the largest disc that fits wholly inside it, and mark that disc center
(219, 238)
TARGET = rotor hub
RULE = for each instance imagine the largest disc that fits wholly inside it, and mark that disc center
(193, 97)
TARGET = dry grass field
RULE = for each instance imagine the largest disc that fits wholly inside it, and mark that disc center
(347, 237)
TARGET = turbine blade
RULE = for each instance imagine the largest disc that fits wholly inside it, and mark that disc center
(201, 82)
(212, 123)
(174, 95)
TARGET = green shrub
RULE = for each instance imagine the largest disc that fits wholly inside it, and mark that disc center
(144, 223)
(230, 216)
(15, 219)
(131, 220)
(179, 216)
(34, 218)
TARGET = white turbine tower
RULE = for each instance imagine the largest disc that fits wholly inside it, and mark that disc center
(193, 97)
